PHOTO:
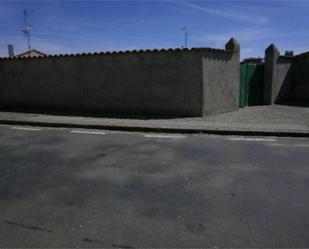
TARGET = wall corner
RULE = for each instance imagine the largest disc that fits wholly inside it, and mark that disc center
(271, 58)
(233, 45)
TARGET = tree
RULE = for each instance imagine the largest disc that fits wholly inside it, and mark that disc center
(289, 53)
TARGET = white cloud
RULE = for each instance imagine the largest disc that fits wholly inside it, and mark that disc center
(227, 14)
(244, 35)
(252, 40)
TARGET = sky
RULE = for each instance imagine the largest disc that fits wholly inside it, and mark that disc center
(93, 26)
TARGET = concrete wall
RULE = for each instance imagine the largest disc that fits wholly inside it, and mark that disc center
(164, 83)
(278, 77)
(286, 78)
(283, 81)
(158, 83)
(221, 80)
(300, 90)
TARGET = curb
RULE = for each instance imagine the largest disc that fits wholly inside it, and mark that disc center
(159, 129)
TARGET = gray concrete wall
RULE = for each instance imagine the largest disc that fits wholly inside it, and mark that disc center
(283, 80)
(278, 76)
(164, 83)
(300, 90)
(221, 80)
(154, 83)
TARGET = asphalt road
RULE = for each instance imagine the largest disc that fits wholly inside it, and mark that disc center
(86, 188)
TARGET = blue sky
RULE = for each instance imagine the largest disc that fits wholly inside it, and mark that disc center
(88, 26)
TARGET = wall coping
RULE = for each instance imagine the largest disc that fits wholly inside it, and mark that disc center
(286, 57)
(295, 57)
(142, 51)
(305, 54)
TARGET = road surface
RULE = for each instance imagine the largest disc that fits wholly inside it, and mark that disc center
(88, 188)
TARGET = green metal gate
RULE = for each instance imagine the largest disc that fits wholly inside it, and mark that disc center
(251, 84)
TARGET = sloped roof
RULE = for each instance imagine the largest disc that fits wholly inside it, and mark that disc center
(29, 52)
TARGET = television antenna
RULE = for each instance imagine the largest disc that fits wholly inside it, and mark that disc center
(186, 36)
(28, 27)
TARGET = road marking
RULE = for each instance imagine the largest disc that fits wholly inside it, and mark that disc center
(301, 145)
(277, 144)
(89, 132)
(25, 128)
(290, 145)
(252, 139)
(163, 136)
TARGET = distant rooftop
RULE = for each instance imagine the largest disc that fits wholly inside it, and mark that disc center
(31, 53)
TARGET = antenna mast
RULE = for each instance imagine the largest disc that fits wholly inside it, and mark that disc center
(186, 36)
(27, 28)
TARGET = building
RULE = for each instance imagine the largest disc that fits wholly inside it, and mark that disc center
(31, 53)
(253, 60)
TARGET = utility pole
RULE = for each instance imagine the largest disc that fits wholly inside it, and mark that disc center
(186, 36)
(27, 28)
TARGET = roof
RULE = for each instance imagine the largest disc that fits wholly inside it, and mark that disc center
(305, 54)
(252, 60)
(30, 53)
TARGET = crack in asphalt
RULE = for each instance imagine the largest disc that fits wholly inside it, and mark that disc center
(122, 246)
(87, 240)
(12, 223)
(91, 241)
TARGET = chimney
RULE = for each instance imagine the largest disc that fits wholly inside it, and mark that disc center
(11, 50)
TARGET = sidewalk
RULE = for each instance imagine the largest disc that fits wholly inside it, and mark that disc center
(276, 120)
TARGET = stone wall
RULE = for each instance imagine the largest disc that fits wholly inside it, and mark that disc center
(300, 89)
(221, 80)
(277, 76)
(286, 78)
(174, 82)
